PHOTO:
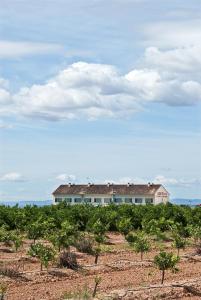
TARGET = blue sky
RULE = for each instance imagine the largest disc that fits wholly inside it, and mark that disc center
(99, 91)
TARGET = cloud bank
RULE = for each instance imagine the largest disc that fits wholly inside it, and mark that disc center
(92, 91)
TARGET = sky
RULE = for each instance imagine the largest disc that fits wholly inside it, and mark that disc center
(99, 91)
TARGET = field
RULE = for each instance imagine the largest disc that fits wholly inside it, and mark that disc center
(119, 267)
(115, 252)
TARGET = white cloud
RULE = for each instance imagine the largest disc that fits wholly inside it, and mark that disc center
(66, 177)
(170, 73)
(12, 176)
(176, 182)
(183, 59)
(12, 49)
(91, 91)
(173, 34)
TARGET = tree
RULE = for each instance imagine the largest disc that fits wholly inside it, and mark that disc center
(124, 225)
(44, 253)
(195, 232)
(11, 238)
(65, 237)
(179, 243)
(5, 236)
(35, 230)
(141, 245)
(99, 229)
(17, 240)
(165, 261)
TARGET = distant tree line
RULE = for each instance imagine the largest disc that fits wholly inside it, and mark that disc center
(122, 218)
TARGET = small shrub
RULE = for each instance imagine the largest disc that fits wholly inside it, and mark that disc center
(141, 245)
(179, 243)
(97, 281)
(68, 260)
(131, 237)
(17, 241)
(165, 261)
(84, 244)
(44, 253)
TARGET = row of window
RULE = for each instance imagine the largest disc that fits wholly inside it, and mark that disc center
(105, 200)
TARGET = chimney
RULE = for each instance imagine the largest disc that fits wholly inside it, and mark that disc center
(89, 184)
(149, 183)
(69, 184)
(108, 184)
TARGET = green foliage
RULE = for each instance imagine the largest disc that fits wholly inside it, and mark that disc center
(11, 238)
(165, 261)
(44, 253)
(35, 230)
(195, 232)
(179, 243)
(157, 225)
(5, 236)
(64, 237)
(124, 225)
(17, 241)
(141, 245)
(98, 227)
(131, 237)
(39, 222)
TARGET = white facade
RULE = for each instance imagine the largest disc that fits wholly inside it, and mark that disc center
(160, 196)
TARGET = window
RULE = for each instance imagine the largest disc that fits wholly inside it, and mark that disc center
(68, 200)
(128, 200)
(58, 200)
(107, 200)
(97, 200)
(117, 200)
(78, 200)
(87, 200)
(149, 200)
(138, 200)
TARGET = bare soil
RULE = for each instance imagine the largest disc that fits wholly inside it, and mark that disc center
(123, 274)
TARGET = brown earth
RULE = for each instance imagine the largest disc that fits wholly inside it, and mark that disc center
(123, 275)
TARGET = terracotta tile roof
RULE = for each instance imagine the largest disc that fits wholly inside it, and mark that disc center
(120, 189)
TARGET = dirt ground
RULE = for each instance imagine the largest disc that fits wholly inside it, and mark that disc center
(123, 275)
